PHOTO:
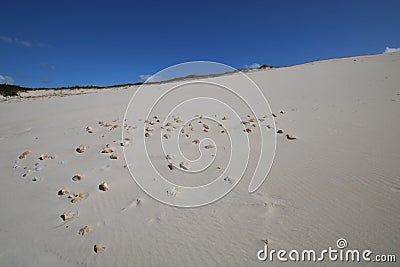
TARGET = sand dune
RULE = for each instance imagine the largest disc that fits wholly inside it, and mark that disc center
(336, 174)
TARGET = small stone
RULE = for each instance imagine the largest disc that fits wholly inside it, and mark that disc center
(209, 146)
(76, 200)
(171, 166)
(104, 186)
(81, 149)
(44, 156)
(114, 156)
(184, 165)
(78, 177)
(63, 192)
(108, 149)
(279, 131)
(67, 216)
(291, 137)
(98, 248)
(24, 154)
(89, 129)
(167, 136)
(85, 230)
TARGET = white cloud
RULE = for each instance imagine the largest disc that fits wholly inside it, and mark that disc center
(6, 80)
(391, 50)
(252, 66)
(149, 78)
(24, 43)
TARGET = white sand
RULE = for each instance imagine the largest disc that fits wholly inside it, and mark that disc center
(339, 179)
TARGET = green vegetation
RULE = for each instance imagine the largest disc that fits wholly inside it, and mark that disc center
(11, 90)
(7, 90)
(14, 90)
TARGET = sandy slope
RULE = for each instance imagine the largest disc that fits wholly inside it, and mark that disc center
(339, 179)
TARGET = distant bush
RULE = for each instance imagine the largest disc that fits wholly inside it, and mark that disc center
(11, 90)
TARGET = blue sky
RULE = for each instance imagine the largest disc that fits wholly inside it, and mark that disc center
(66, 43)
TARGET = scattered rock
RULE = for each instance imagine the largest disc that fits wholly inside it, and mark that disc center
(229, 180)
(98, 248)
(77, 199)
(279, 131)
(281, 112)
(273, 115)
(247, 130)
(81, 149)
(206, 126)
(85, 230)
(167, 136)
(114, 156)
(67, 216)
(89, 129)
(108, 149)
(184, 165)
(63, 192)
(209, 146)
(44, 156)
(291, 137)
(24, 154)
(171, 166)
(106, 124)
(224, 118)
(104, 186)
(196, 141)
(147, 134)
(78, 177)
